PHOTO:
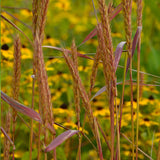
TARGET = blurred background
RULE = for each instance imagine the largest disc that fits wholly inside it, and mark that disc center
(68, 20)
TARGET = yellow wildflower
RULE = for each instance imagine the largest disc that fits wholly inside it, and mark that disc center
(8, 54)
(147, 122)
(25, 13)
(70, 124)
(18, 154)
(63, 5)
(49, 68)
(92, 41)
(128, 104)
(51, 41)
(26, 53)
(144, 101)
(117, 35)
(80, 28)
(102, 112)
(5, 39)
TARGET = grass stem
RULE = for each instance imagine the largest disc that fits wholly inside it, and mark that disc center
(132, 111)
(32, 106)
(139, 23)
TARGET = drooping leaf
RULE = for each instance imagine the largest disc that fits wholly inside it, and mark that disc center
(21, 108)
(118, 53)
(60, 139)
(68, 51)
(111, 16)
(134, 44)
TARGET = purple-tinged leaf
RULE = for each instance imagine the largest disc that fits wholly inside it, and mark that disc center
(21, 108)
(7, 136)
(118, 53)
(136, 38)
(68, 51)
(111, 16)
(60, 139)
(134, 44)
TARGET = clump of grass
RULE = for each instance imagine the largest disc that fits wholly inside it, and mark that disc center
(85, 100)
(11, 116)
(16, 78)
(104, 55)
(39, 18)
(6, 141)
(76, 95)
(105, 42)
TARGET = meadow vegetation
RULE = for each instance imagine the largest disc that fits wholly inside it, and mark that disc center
(80, 80)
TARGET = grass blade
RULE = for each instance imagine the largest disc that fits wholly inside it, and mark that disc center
(103, 89)
(68, 51)
(99, 92)
(21, 108)
(111, 16)
(98, 139)
(17, 19)
(60, 139)
(134, 145)
(16, 28)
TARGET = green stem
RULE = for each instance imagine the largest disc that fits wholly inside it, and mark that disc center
(121, 103)
(118, 136)
(138, 77)
(123, 86)
(132, 118)
(31, 133)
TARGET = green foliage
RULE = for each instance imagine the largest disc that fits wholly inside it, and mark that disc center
(67, 20)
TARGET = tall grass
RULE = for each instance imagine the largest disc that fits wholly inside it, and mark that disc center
(104, 140)
(45, 105)
(105, 42)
